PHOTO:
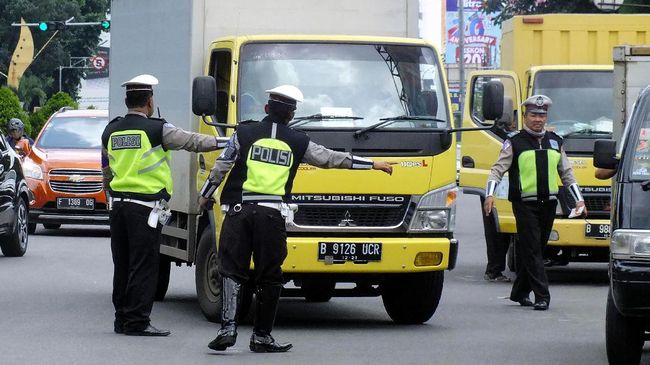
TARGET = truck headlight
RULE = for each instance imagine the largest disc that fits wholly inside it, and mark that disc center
(436, 211)
(630, 242)
(32, 170)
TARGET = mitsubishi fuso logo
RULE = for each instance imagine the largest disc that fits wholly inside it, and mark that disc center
(347, 220)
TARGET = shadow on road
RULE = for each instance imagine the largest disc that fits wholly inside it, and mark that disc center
(572, 274)
(74, 231)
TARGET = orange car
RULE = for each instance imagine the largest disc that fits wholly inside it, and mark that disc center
(63, 170)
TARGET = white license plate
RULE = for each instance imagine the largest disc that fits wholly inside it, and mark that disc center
(75, 203)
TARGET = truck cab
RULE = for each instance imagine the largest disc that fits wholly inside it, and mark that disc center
(564, 57)
(377, 97)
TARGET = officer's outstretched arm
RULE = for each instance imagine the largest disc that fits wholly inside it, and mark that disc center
(323, 157)
(222, 165)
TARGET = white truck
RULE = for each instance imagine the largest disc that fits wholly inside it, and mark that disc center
(397, 232)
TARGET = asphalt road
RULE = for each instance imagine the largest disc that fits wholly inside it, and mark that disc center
(55, 309)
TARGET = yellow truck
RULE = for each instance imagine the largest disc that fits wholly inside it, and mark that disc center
(381, 94)
(567, 57)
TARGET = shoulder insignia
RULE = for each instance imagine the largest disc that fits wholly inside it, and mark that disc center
(512, 134)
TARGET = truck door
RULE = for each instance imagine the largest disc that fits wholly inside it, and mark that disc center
(480, 149)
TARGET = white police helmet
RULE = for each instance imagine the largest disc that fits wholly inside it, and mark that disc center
(141, 83)
(289, 92)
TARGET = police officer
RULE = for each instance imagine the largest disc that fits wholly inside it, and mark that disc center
(263, 158)
(137, 174)
(535, 159)
(17, 138)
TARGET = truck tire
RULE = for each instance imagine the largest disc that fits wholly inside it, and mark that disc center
(51, 225)
(15, 244)
(623, 336)
(164, 269)
(318, 290)
(207, 278)
(412, 298)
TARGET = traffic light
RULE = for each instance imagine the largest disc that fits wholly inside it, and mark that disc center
(106, 25)
(45, 26)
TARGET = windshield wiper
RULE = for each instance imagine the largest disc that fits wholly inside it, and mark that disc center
(391, 120)
(319, 116)
(586, 132)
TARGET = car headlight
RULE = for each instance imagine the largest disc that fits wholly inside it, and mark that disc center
(627, 242)
(32, 170)
(436, 211)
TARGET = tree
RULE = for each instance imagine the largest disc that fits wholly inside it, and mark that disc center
(78, 41)
(31, 91)
(10, 108)
(54, 104)
(506, 9)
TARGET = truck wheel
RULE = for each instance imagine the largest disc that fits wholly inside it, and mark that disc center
(623, 336)
(318, 290)
(164, 269)
(511, 257)
(207, 278)
(15, 244)
(51, 225)
(31, 228)
(412, 298)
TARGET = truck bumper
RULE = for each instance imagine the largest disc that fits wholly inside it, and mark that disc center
(571, 232)
(397, 256)
(630, 282)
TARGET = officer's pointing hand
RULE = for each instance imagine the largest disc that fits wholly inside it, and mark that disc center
(488, 204)
(384, 166)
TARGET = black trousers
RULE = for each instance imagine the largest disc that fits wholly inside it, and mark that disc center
(255, 231)
(534, 224)
(136, 248)
(496, 243)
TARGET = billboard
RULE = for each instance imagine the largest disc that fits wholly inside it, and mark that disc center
(481, 36)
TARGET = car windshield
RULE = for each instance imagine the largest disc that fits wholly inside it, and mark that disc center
(345, 85)
(583, 105)
(640, 139)
(73, 132)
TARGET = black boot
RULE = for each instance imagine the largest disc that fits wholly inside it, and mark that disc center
(267, 299)
(231, 298)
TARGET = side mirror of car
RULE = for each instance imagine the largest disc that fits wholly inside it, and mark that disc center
(492, 100)
(204, 95)
(605, 154)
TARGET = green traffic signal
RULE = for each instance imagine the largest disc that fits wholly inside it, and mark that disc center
(43, 26)
(106, 24)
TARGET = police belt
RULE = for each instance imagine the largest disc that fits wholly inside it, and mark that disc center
(237, 207)
(149, 204)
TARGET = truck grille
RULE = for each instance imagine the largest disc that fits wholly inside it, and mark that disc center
(75, 181)
(598, 204)
(337, 216)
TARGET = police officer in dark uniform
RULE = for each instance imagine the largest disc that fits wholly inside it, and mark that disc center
(535, 159)
(263, 158)
(137, 174)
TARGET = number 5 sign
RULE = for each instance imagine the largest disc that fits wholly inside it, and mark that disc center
(98, 63)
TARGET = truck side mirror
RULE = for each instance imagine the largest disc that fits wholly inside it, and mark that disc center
(204, 95)
(492, 100)
(605, 154)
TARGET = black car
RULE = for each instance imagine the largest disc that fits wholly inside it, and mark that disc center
(14, 202)
(628, 302)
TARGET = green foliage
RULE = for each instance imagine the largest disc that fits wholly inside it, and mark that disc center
(56, 102)
(506, 9)
(10, 108)
(32, 91)
(77, 41)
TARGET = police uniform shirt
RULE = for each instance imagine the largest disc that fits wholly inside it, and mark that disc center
(173, 138)
(505, 161)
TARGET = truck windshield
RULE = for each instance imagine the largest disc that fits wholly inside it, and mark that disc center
(346, 85)
(639, 139)
(582, 102)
